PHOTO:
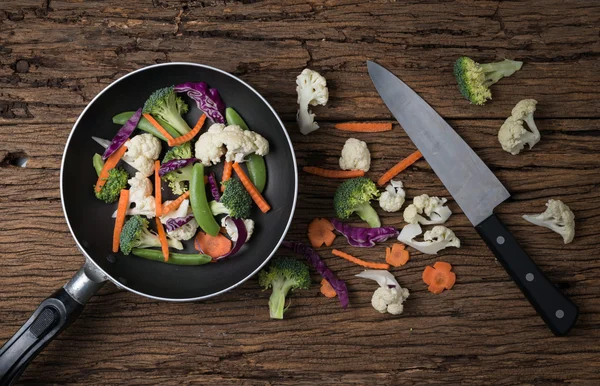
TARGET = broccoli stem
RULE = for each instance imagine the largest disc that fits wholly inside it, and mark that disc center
(178, 123)
(277, 299)
(496, 71)
(368, 214)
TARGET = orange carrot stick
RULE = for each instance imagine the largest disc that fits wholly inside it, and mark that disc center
(120, 220)
(227, 169)
(365, 127)
(158, 127)
(189, 136)
(173, 205)
(320, 231)
(362, 263)
(396, 256)
(110, 163)
(439, 277)
(254, 193)
(157, 190)
(400, 166)
(327, 289)
(162, 236)
(333, 173)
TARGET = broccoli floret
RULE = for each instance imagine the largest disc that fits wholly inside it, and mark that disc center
(354, 196)
(235, 202)
(177, 179)
(166, 105)
(474, 79)
(284, 274)
(135, 234)
(117, 180)
(183, 151)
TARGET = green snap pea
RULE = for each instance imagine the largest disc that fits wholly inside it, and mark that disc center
(200, 208)
(257, 170)
(145, 125)
(98, 163)
(174, 258)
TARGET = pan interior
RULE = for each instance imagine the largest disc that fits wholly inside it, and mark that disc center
(90, 219)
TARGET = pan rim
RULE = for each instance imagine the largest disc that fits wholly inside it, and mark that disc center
(287, 226)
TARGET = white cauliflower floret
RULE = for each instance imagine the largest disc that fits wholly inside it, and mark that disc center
(312, 90)
(355, 155)
(389, 300)
(513, 136)
(184, 232)
(232, 141)
(140, 195)
(142, 151)
(232, 230)
(393, 198)
(432, 207)
(557, 217)
(435, 240)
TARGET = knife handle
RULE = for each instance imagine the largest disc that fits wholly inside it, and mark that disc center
(559, 313)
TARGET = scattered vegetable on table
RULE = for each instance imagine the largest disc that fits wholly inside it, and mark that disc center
(439, 277)
(557, 217)
(312, 90)
(320, 231)
(355, 155)
(389, 297)
(283, 275)
(354, 196)
(432, 207)
(512, 135)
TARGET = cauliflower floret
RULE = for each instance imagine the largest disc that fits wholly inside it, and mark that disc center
(557, 217)
(312, 90)
(393, 198)
(232, 141)
(140, 194)
(183, 210)
(432, 207)
(389, 300)
(435, 240)
(232, 230)
(355, 155)
(512, 135)
(184, 232)
(142, 151)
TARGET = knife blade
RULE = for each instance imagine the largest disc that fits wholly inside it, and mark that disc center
(476, 190)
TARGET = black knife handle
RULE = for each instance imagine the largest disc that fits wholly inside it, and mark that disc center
(559, 313)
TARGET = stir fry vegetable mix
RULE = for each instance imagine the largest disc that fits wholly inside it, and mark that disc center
(189, 215)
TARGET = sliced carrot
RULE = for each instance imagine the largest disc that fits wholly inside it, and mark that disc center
(362, 263)
(328, 173)
(158, 127)
(254, 193)
(110, 164)
(439, 277)
(320, 231)
(400, 166)
(213, 246)
(120, 220)
(189, 136)
(396, 256)
(173, 205)
(327, 289)
(162, 236)
(227, 169)
(157, 189)
(365, 127)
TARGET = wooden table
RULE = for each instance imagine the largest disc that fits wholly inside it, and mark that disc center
(55, 56)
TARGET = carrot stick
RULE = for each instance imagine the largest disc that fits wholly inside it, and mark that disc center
(227, 169)
(110, 163)
(214, 246)
(365, 127)
(189, 136)
(439, 277)
(120, 220)
(173, 205)
(162, 236)
(328, 173)
(320, 231)
(396, 256)
(400, 166)
(254, 193)
(158, 127)
(327, 289)
(362, 263)
(157, 190)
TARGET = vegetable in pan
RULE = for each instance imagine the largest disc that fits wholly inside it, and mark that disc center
(235, 202)
(166, 105)
(135, 234)
(200, 208)
(98, 163)
(145, 125)
(117, 180)
(174, 258)
(283, 275)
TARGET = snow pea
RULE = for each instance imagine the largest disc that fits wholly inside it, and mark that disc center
(257, 170)
(200, 208)
(174, 258)
(98, 163)
(145, 125)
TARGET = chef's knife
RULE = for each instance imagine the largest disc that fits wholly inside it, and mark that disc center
(476, 190)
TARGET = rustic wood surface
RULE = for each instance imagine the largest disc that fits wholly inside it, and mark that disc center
(56, 55)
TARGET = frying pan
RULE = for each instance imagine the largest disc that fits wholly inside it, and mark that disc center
(91, 225)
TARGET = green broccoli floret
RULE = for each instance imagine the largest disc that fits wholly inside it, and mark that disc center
(135, 234)
(166, 105)
(284, 274)
(117, 180)
(474, 79)
(353, 196)
(183, 151)
(178, 179)
(235, 201)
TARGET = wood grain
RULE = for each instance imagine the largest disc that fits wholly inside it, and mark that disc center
(55, 56)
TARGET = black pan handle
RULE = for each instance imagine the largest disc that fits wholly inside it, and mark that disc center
(52, 316)
(559, 313)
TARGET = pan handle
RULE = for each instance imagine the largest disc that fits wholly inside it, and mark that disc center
(52, 316)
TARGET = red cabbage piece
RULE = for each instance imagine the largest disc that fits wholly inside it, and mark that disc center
(123, 134)
(214, 188)
(207, 99)
(175, 164)
(237, 245)
(315, 260)
(177, 222)
(364, 237)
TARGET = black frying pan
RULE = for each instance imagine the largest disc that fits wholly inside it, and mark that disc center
(91, 224)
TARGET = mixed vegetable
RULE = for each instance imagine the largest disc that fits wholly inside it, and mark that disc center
(218, 227)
